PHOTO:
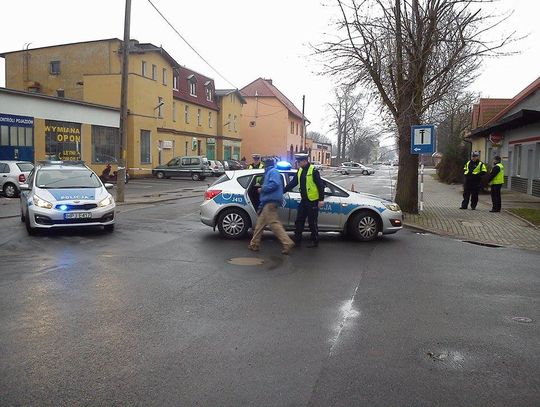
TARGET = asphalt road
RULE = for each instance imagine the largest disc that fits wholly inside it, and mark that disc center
(154, 314)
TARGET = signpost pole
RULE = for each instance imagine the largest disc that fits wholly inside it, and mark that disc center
(421, 182)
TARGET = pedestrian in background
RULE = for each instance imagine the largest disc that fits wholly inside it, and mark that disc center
(473, 171)
(271, 197)
(496, 181)
(312, 198)
(257, 164)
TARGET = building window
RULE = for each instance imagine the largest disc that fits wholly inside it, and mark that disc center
(54, 67)
(175, 82)
(60, 93)
(63, 140)
(173, 111)
(518, 159)
(210, 119)
(145, 147)
(297, 129)
(154, 72)
(186, 114)
(234, 124)
(209, 93)
(192, 88)
(160, 107)
(105, 144)
(198, 117)
(20, 136)
(229, 123)
(164, 76)
(292, 127)
(143, 68)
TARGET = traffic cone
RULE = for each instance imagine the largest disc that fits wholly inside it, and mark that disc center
(352, 188)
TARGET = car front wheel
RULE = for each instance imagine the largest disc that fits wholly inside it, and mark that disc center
(365, 172)
(364, 226)
(233, 223)
(160, 175)
(195, 176)
(31, 231)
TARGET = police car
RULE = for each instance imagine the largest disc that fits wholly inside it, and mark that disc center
(230, 205)
(65, 194)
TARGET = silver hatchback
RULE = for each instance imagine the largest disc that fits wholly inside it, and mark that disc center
(12, 175)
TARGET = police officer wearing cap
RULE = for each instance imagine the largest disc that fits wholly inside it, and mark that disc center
(257, 164)
(312, 194)
(473, 171)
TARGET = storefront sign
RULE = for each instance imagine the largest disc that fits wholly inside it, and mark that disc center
(210, 140)
(496, 138)
(63, 140)
(16, 121)
(167, 144)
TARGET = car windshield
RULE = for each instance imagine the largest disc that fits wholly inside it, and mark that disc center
(70, 178)
(25, 167)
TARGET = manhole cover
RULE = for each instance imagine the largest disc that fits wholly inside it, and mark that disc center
(524, 320)
(246, 261)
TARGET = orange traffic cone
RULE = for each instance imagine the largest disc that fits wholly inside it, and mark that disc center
(352, 188)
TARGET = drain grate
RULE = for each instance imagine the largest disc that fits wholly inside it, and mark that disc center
(246, 261)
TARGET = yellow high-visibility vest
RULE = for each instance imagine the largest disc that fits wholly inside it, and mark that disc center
(312, 190)
(499, 178)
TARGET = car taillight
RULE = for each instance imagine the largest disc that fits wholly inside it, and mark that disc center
(22, 179)
(211, 194)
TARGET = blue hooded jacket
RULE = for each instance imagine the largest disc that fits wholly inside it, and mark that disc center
(272, 187)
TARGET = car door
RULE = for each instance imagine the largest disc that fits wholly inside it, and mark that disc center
(171, 168)
(330, 215)
(284, 209)
(4, 174)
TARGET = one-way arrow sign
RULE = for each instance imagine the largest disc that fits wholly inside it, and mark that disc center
(423, 139)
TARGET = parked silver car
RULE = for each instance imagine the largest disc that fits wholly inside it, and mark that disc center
(216, 167)
(12, 175)
(230, 205)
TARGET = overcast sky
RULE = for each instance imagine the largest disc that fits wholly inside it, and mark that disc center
(243, 40)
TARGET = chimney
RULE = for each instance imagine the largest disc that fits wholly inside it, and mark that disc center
(269, 81)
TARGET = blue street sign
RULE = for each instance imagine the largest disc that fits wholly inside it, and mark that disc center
(423, 139)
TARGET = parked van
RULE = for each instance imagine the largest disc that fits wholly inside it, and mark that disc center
(196, 167)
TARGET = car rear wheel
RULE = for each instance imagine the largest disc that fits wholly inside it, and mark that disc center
(344, 172)
(160, 174)
(365, 172)
(10, 190)
(364, 226)
(233, 223)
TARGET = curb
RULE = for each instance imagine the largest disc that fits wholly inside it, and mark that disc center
(520, 218)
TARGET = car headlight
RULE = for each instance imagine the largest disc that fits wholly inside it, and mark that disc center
(41, 203)
(393, 207)
(106, 202)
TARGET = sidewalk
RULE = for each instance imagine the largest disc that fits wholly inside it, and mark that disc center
(442, 216)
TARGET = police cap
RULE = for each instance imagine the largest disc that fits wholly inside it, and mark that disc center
(301, 156)
(256, 156)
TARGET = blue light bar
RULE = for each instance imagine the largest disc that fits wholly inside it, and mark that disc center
(63, 207)
(284, 165)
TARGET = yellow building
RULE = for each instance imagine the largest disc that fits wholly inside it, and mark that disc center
(319, 152)
(271, 125)
(172, 110)
(228, 140)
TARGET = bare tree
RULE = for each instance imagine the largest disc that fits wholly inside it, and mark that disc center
(362, 143)
(348, 110)
(318, 137)
(410, 53)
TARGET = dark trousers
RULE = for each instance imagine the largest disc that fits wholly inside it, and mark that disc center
(496, 197)
(470, 192)
(309, 210)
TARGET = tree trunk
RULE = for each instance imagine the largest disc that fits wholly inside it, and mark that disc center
(407, 183)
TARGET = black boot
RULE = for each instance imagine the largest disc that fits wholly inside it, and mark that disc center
(313, 244)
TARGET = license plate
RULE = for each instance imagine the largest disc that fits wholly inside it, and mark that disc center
(77, 215)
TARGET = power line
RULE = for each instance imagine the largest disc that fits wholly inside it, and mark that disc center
(190, 46)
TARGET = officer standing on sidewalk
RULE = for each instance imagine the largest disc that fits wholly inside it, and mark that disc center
(473, 170)
(271, 195)
(312, 194)
(257, 163)
(496, 180)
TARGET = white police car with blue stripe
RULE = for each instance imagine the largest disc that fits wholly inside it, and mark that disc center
(230, 204)
(65, 194)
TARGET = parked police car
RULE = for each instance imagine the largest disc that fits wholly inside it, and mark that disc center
(230, 205)
(64, 194)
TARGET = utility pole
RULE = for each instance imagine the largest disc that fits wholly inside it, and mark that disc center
(303, 135)
(122, 165)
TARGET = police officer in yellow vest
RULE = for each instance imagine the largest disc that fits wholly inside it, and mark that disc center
(473, 170)
(312, 198)
(496, 180)
(257, 163)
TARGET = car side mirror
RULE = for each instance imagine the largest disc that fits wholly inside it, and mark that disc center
(109, 186)
(24, 187)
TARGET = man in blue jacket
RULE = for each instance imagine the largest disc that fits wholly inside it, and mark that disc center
(271, 196)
